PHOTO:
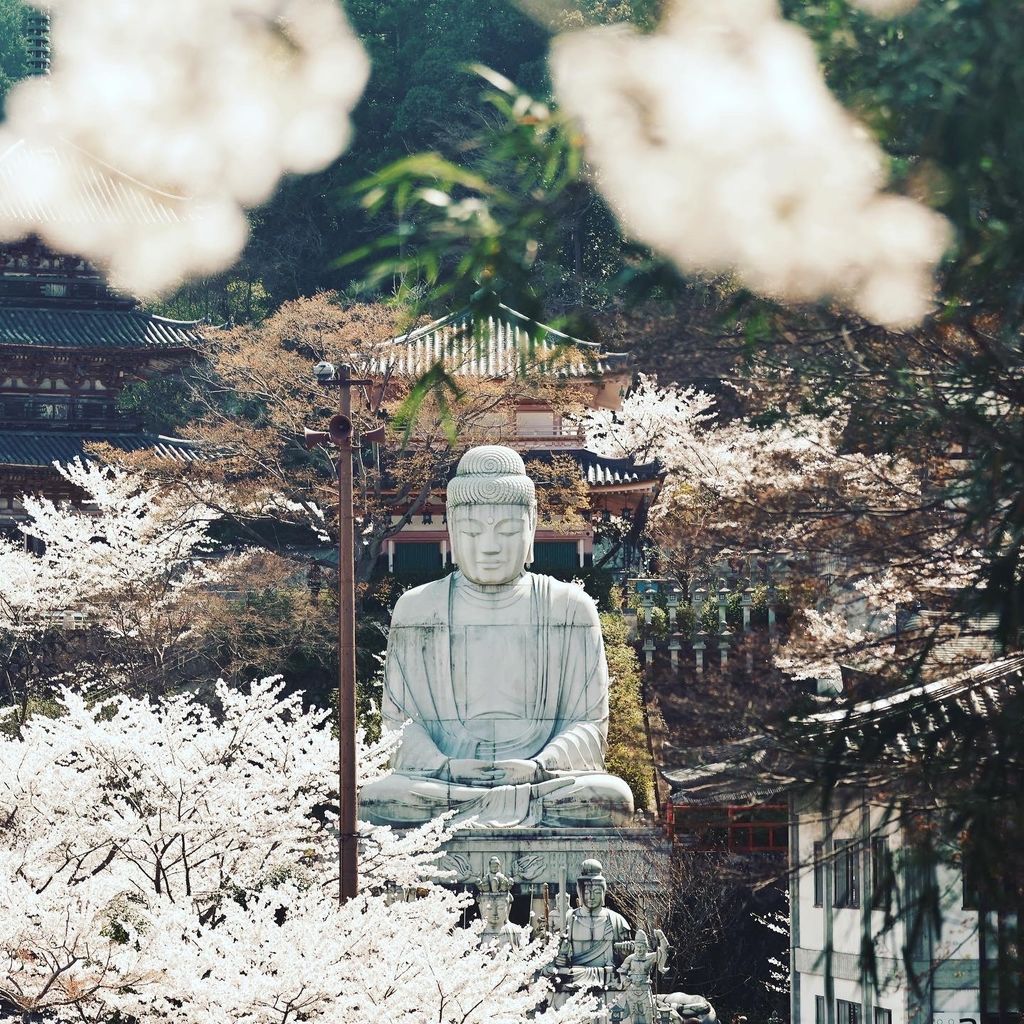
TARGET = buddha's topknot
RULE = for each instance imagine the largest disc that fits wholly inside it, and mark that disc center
(491, 474)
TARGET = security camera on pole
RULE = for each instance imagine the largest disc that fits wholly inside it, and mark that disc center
(339, 434)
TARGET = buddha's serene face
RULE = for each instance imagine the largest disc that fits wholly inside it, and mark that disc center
(592, 895)
(494, 909)
(491, 543)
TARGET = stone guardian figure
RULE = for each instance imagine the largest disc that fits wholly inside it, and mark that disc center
(498, 676)
(595, 939)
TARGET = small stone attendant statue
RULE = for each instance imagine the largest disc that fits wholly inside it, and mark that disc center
(498, 929)
(495, 880)
(498, 676)
(638, 996)
(595, 939)
(598, 953)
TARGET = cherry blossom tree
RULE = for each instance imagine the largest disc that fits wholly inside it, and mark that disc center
(174, 862)
(121, 583)
(863, 534)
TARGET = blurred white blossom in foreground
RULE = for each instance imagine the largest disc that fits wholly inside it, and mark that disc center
(884, 8)
(717, 143)
(213, 100)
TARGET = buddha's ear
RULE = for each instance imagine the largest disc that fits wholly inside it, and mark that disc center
(452, 543)
(533, 534)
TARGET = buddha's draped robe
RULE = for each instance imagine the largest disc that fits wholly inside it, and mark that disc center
(493, 674)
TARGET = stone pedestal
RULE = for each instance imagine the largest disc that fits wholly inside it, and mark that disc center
(634, 859)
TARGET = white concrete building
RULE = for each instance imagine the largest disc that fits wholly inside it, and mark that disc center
(862, 892)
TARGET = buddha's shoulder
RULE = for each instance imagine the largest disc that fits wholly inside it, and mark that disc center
(422, 603)
(568, 599)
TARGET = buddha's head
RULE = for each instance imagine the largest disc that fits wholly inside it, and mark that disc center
(492, 515)
(591, 885)
(494, 909)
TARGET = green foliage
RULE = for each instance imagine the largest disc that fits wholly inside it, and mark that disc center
(13, 54)
(472, 232)
(941, 87)
(629, 754)
(161, 404)
(232, 298)
(11, 719)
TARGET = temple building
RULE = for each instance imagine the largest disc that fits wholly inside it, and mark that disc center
(508, 343)
(69, 345)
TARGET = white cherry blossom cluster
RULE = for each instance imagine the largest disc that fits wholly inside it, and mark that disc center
(680, 427)
(717, 142)
(208, 101)
(716, 469)
(126, 554)
(174, 863)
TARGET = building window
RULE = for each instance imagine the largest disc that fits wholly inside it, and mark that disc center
(819, 874)
(417, 557)
(847, 1013)
(555, 556)
(883, 878)
(819, 1010)
(846, 874)
(883, 1016)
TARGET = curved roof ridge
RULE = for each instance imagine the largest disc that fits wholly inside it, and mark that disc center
(550, 330)
(401, 339)
(466, 313)
(124, 174)
(171, 320)
(187, 442)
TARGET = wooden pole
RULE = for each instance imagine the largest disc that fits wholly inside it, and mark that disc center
(347, 827)
(348, 837)
(341, 435)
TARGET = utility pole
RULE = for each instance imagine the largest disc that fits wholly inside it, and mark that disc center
(339, 434)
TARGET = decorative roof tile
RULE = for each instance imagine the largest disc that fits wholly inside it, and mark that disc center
(27, 448)
(94, 328)
(503, 345)
(600, 471)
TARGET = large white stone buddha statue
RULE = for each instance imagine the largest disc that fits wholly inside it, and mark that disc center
(498, 676)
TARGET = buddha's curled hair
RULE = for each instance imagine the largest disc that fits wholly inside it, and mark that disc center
(491, 474)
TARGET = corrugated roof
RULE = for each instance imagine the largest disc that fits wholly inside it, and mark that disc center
(94, 328)
(499, 346)
(101, 194)
(975, 691)
(946, 718)
(25, 448)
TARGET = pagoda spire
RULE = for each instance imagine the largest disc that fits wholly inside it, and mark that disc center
(37, 33)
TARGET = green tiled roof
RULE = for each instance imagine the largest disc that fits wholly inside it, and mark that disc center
(29, 448)
(89, 328)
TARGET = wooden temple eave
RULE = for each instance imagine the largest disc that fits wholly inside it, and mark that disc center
(17, 480)
(113, 367)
